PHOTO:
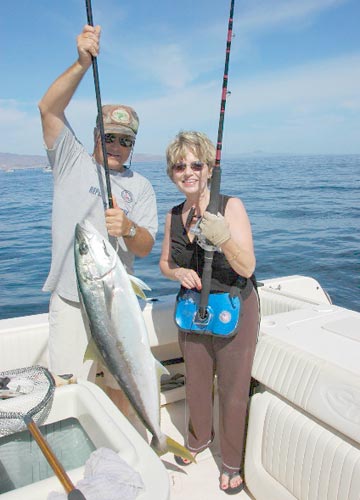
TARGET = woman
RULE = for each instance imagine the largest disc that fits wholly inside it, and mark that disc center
(190, 161)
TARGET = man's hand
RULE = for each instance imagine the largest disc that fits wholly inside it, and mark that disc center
(117, 223)
(88, 44)
(215, 228)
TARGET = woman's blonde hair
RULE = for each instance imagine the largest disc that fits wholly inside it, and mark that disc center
(196, 142)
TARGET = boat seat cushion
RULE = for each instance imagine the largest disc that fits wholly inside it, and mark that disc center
(316, 386)
(290, 455)
(274, 302)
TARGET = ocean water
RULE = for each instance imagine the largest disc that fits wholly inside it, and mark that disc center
(304, 210)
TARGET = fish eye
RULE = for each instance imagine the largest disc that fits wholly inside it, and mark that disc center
(83, 248)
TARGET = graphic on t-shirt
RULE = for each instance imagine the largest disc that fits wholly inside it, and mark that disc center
(95, 190)
(127, 196)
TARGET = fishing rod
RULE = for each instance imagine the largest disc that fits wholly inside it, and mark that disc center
(99, 109)
(213, 206)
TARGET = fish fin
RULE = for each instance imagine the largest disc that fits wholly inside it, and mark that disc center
(174, 447)
(92, 353)
(161, 369)
(138, 286)
(179, 450)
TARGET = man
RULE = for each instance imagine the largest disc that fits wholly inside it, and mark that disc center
(80, 193)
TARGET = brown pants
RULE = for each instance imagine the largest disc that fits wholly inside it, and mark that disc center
(231, 360)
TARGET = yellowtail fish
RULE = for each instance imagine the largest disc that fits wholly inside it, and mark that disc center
(119, 331)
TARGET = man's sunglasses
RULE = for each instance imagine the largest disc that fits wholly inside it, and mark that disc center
(196, 166)
(126, 142)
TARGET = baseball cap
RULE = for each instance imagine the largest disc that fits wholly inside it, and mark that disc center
(119, 119)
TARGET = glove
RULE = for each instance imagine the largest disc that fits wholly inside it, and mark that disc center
(215, 228)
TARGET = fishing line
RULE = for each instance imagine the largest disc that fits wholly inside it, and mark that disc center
(99, 109)
(213, 206)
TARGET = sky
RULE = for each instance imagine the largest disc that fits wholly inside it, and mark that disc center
(294, 72)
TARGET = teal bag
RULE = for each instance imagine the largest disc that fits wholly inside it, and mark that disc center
(222, 318)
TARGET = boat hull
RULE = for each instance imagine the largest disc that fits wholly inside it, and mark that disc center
(303, 438)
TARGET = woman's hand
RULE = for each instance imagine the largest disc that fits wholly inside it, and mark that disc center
(188, 278)
(215, 228)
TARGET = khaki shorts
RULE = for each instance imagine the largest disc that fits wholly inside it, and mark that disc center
(69, 336)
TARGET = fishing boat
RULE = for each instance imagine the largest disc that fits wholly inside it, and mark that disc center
(303, 430)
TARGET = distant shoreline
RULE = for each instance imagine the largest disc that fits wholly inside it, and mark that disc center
(10, 162)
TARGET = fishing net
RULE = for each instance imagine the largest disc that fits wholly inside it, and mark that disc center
(24, 392)
(26, 395)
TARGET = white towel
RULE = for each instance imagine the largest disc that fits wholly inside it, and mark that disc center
(107, 477)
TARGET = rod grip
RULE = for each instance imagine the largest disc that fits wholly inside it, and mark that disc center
(213, 206)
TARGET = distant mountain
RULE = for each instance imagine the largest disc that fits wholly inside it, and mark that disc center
(143, 157)
(14, 161)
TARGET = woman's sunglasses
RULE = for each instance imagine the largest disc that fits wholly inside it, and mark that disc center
(196, 166)
(126, 142)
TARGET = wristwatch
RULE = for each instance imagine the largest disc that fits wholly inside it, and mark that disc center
(132, 231)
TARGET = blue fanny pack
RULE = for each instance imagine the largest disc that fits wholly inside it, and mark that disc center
(223, 313)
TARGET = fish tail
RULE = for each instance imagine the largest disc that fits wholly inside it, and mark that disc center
(172, 446)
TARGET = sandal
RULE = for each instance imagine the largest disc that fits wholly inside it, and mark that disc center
(182, 461)
(232, 490)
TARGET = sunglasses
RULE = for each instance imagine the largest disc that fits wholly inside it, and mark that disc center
(126, 142)
(196, 166)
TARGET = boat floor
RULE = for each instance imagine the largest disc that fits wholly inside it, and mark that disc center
(198, 481)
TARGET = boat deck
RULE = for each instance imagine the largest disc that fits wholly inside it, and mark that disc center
(199, 481)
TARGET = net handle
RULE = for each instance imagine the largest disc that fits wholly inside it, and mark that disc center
(61, 474)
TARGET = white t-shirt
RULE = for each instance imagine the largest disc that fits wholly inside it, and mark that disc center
(80, 193)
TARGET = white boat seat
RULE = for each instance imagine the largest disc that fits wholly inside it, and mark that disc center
(322, 389)
(303, 438)
(28, 338)
(291, 456)
(274, 302)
